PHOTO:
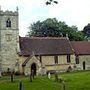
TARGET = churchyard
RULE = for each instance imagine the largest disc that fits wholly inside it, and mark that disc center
(72, 81)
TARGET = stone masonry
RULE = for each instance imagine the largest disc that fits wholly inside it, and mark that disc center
(9, 40)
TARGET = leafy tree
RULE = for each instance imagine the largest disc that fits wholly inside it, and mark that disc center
(51, 27)
(49, 2)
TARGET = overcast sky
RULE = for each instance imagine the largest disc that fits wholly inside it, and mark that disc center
(73, 12)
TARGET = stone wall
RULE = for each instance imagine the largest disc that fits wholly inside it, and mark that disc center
(9, 49)
(83, 58)
(48, 62)
(9, 40)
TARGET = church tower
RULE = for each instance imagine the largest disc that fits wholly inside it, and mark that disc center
(9, 39)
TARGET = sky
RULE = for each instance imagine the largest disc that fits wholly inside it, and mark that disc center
(73, 12)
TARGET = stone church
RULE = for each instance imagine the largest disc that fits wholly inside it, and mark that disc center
(41, 54)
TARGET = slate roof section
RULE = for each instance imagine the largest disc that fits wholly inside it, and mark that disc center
(45, 46)
(81, 47)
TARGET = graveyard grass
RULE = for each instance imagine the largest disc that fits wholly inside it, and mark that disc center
(73, 81)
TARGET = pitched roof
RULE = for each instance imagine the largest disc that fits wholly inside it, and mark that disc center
(81, 47)
(45, 45)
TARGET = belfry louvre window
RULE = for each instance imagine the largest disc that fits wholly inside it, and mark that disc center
(56, 59)
(8, 23)
(68, 59)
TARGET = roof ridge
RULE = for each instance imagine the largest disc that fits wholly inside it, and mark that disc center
(44, 37)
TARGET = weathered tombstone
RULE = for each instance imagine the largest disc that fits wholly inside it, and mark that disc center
(11, 76)
(56, 77)
(0, 74)
(30, 78)
(63, 85)
(32, 73)
(20, 86)
(60, 79)
(49, 75)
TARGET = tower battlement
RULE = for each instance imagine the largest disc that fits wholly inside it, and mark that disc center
(15, 13)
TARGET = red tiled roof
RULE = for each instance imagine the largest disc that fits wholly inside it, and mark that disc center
(81, 47)
(45, 46)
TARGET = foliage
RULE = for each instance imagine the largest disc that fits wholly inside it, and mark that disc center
(86, 31)
(51, 27)
(49, 2)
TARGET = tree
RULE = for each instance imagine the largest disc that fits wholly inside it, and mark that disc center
(86, 30)
(49, 2)
(51, 27)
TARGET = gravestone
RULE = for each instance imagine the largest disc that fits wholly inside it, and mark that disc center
(12, 76)
(30, 78)
(49, 75)
(20, 86)
(63, 85)
(56, 77)
(0, 74)
(32, 73)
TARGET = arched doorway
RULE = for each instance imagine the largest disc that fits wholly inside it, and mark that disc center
(33, 68)
(84, 65)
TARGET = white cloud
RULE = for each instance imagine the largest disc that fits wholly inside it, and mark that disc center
(73, 12)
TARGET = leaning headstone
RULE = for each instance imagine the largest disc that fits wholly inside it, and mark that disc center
(49, 75)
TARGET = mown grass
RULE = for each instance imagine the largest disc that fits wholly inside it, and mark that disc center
(77, 80)
(39, 83)
(73, 81)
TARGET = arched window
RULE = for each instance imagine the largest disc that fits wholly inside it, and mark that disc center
(8, 23)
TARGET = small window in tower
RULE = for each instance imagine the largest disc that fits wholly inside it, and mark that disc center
(8, 37)
(8, 23)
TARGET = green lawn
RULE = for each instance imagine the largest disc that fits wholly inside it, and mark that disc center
(73, 81)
